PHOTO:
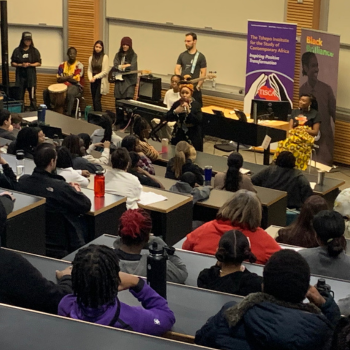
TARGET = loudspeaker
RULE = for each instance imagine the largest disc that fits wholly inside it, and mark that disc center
(150, 88)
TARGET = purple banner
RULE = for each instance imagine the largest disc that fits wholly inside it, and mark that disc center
(319, 77)
(270, 62)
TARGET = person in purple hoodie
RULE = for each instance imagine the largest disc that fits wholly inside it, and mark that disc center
(96, 281)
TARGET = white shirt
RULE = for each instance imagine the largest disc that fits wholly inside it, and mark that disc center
(124, 184)
(98, 134)
(72, 175)
(171, 97)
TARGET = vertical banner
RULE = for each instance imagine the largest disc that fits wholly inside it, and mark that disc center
(319, 77)
(270, 62)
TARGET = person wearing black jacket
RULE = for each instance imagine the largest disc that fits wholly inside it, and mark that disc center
(8, 178)
(26, 58)
(187, 114)
(64, 203)
(21, 284)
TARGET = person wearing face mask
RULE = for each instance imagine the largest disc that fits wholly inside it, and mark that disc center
(25, 58)
(70, 73)
(187, 114)
(97, 73)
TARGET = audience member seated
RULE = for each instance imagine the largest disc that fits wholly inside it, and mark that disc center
(142, 130)
(132, 144)
(342, 206)
(120, 182)
(329, 259)
(77, 149)
(229, 275)
(243, 212)
(70, 73)
(96, 281)
(105, 133)
(182, 163)
(89, 147)
(233, 180)
(64, 203)
(65, 168)
(187, 184)
(276, 318)
(5, 125)
(144, 177)
(284, 177)
(21, 284)
(341, 339)
(301, 232)
(8, 178)
(132, 245)
(27, 139)
(16, 121)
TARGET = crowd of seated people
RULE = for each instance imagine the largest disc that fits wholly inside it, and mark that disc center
(89, 290)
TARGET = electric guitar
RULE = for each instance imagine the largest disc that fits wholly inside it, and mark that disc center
(188, 80)
(115, 75)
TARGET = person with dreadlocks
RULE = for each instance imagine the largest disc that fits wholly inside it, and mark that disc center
(96, 281)
(134, 238)
(188, 116)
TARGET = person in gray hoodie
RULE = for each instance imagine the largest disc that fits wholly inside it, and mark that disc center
(186, 184)
(131, 247)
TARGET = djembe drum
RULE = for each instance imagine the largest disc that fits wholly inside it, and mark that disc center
(58, 94)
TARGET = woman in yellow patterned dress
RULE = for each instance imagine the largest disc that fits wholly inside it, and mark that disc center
(304, 124)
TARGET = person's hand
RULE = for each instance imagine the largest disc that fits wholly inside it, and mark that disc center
(92, 80)
(127, 281)
(253, 91)
(315, 297)
(141, 171)
(179, 110)
(7, 193)
(66, 272)
(2, 161)
(25, 64)
(76, 186)
(85, 173)
(198, 88)
(126, 65)
(106, 144)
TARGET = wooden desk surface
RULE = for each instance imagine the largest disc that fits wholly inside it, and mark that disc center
(67, 124)
(102, 204)
(277, 124)
(24, 202)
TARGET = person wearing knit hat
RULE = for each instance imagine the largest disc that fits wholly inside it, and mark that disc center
(26, 58)
(329, 259)
(125, 61)
(187, 114)
(277, 318)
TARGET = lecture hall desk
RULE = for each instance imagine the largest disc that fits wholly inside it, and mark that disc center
(184, 301)
(196, 262)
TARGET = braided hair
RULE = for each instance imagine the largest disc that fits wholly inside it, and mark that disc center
(135, 226)
(95, 276)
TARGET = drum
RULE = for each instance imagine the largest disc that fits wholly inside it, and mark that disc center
(58, 94)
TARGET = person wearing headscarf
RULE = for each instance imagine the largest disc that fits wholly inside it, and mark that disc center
(187, 114)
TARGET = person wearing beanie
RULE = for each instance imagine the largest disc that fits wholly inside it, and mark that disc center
(276, 318)
(125, 61)
(192, 62)
(329, 259)
(282, 175)
(233, 180)
(187, 114)
(229, 275)
(131, 247)
(25, 58)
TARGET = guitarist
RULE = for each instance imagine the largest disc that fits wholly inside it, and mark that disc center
(125, 60)
(192, 62)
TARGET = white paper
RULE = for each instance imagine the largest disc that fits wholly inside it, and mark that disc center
(148, 198)
(312, 185)
(244, 171)
(266, 142)
(31, 119)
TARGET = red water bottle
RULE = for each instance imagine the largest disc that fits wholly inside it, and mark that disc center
(99, 184)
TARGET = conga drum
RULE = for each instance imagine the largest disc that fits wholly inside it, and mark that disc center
(58, 94)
